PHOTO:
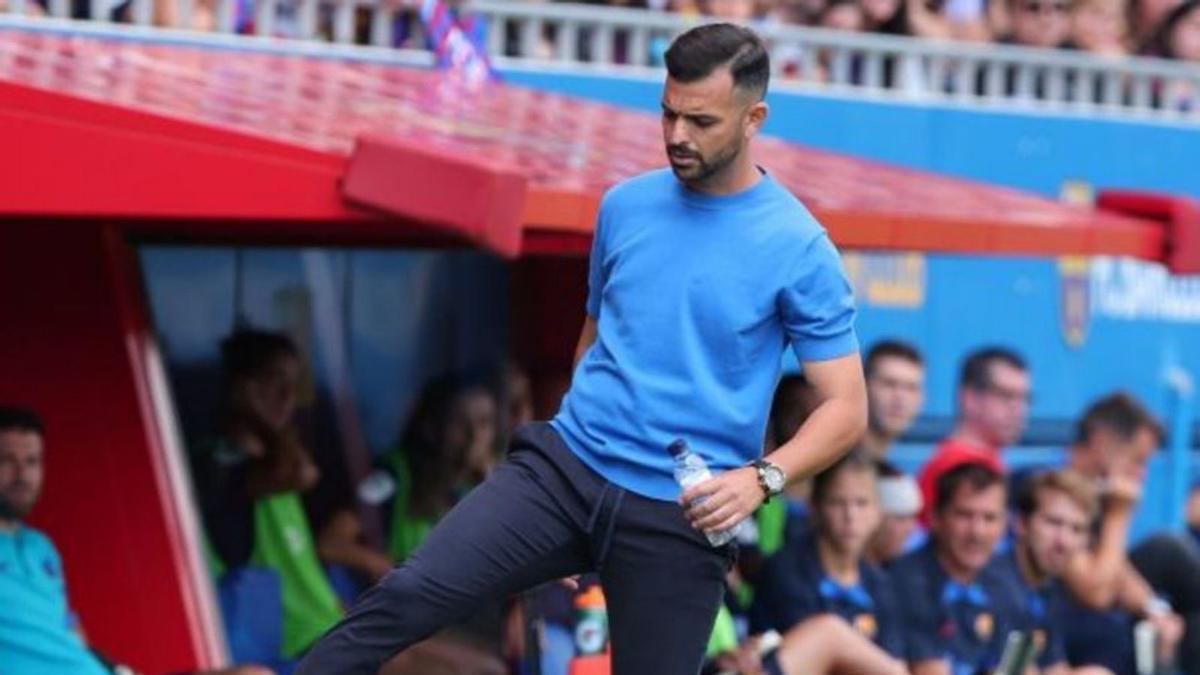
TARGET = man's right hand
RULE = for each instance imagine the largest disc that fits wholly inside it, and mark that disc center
(1122, 491)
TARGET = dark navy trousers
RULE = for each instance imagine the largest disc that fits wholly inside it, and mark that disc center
(541, 516)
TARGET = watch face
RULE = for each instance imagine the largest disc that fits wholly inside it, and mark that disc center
(773, 476)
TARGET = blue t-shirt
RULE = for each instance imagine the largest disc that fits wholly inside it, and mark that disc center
(696, 297)
(967, 625)
(37, 629)
(794, 587)
(1043, 612)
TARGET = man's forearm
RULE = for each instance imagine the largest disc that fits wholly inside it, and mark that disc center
(1095, 579)
(832, 429)
(1133, 591)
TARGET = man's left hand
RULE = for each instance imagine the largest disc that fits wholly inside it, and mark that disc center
(1170, 628)
(728, 498)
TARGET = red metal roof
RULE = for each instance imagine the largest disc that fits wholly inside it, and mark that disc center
(227, 136)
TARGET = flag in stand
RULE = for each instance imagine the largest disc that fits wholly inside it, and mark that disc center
(458, 44)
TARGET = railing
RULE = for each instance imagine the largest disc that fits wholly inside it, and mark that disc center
(616, 40)
(630, 42)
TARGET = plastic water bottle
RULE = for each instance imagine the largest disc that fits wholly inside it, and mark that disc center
(690, 469)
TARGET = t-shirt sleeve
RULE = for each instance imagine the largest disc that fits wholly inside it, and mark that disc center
(817, 305)
(596, 269)
(52, 560)
(918, 615)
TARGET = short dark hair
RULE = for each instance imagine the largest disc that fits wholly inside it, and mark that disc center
(1120, 413)
(247, 351)
(791, 406)
(1077, 488)
(13, 418)
(891, 348)
(977, 367)
(700, 51)
(857, 459)
(975, 476)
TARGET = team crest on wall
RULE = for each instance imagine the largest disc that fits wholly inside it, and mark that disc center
(866, 625)
(1075, 302)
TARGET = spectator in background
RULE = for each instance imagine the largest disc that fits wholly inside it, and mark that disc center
(903, 17)
(516, 395)
(1100, 27)
(895, 375)
(994, 391)
(974, 20)
(1117, 437)
(1179, 38)
(39, 634)
(796, 12)
(1039, 23)
(825, 572)
(1148, 19)
(449, 445)
(250, 477)
(1192, 512)
(1054, 511)
(900, 504)
(844, 15)
(731, 10)
(1179, 35)
(957, 606)
(780, 519)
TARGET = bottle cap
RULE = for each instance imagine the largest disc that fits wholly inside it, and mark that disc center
(677, 447)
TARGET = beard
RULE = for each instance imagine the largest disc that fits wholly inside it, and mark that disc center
(701, 169)
(10, 509)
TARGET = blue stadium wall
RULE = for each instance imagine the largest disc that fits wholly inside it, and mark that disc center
(1038, 152)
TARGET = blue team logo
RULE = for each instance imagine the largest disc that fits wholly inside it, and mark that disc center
(866, 625)
(1075, 299)
(985, 625)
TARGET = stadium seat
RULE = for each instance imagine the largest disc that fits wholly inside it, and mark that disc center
(252, 607)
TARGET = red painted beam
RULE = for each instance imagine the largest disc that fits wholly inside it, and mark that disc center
(1180, 217)
(468, 194)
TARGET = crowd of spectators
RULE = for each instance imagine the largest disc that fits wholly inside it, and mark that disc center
(1111, 28)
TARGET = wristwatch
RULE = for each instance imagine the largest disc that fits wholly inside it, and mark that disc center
(771, 478)
(1156, 607)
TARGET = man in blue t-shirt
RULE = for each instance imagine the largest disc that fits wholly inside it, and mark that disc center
(701, 275)
(38, 635)
(1054, 513)
(959, 604)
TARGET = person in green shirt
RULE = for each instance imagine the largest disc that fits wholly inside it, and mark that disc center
(250, 477)
(450, 444)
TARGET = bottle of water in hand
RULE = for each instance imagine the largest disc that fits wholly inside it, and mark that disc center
(690, 469)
